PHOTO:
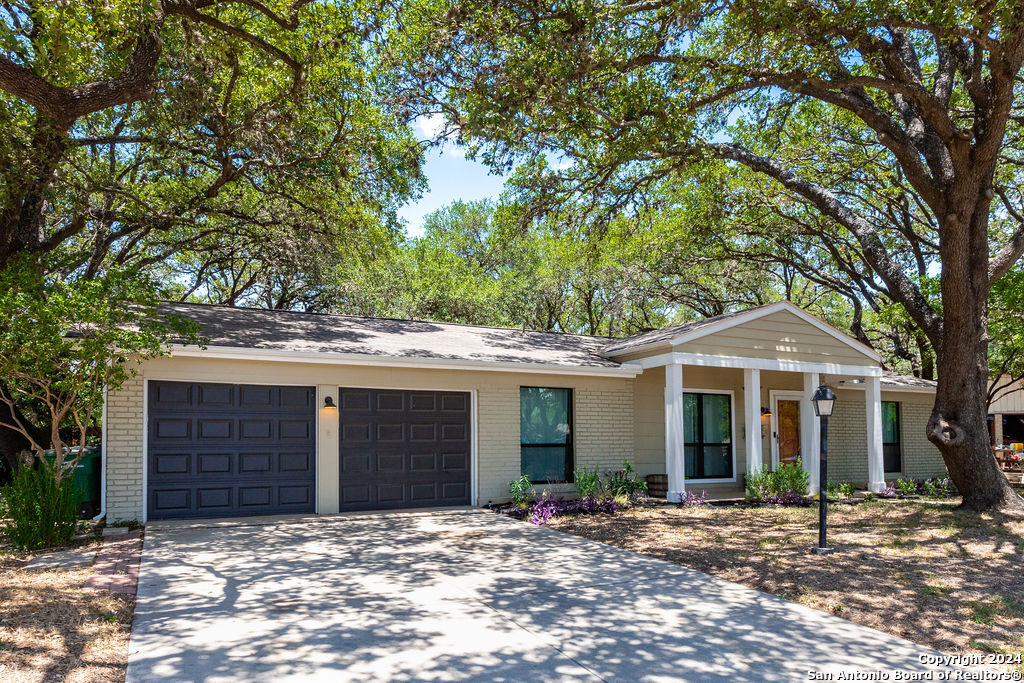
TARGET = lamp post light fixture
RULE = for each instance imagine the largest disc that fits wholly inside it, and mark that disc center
(824, 402)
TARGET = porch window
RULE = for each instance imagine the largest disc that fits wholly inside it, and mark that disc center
(708, 427)
(891, 452)
(545, 431)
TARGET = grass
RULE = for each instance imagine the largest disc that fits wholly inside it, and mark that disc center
(52, 630)
(947, 578)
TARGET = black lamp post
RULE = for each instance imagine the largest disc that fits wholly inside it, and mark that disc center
(824, 401)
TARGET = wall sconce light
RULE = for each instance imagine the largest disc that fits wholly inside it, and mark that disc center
(765, 412)
(329, 403)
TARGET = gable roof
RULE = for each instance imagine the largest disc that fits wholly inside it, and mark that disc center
(279, 332)
(678, 334)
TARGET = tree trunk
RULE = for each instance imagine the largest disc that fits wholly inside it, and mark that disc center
(958, 424)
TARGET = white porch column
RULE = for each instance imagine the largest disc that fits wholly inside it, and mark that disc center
(810, 431)
(873, 405)
(675, 464)
(752, 416)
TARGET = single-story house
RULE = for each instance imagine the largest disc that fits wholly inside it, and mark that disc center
(286, 412)
(1006, 413)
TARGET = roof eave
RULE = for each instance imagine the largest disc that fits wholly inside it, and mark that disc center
(380, 360)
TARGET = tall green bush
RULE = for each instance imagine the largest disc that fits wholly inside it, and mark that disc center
(789, 478)
(38, 510)
(588, 482)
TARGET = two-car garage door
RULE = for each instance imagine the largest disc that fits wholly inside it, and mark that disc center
(221, 450)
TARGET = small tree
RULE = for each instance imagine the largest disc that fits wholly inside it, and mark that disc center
(63, 342)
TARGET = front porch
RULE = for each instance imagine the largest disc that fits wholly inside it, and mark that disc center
(725, 416)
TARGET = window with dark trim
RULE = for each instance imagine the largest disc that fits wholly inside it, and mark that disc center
(545, 434)
(892, 455)
(708, 430)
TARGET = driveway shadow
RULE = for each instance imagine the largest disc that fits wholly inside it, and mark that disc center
(464, 596)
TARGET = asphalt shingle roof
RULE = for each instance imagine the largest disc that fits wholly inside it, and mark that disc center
(253, 328)
(310, 332)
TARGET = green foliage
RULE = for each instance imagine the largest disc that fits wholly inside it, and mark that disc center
(789, 478)
(847, 490)
(906, 487)
(522, 491)
(832, 490)
(39, 508)
(624, 482)
(588, 482)
(64, 340)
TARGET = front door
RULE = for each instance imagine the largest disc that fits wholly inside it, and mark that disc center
(788, 430)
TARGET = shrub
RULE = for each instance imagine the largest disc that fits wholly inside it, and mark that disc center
(624, 482)
(757, 483)
(832, 490)
(846, 489)
(522, 492)
(937, 487)
(690, 499)
(588, 483)
(906, 487)
(762, 485)
(791, 477)
(40, 512)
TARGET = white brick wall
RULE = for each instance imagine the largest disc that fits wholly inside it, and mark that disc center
(603, 408)
(848, 443)
(123, 451)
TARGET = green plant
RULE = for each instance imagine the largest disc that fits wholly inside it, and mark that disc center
(588, 482)
(832, 490)
(522, 491)
(846, 489)
(624, 481)
(791, 477)
(757, 483)
(906, 487)
(40, 509)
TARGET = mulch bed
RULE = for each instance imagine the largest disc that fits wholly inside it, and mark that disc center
(929, 572)
(55, 628)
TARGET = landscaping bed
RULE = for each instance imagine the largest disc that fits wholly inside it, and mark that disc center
(53, 630)
(926, 571)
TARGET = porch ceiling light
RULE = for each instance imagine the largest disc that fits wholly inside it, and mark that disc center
(824, 401)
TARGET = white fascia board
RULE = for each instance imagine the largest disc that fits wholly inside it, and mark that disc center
(776, 307)
(332, 358)
(708, 360)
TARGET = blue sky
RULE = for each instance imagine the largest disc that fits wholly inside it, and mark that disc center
(450, 177)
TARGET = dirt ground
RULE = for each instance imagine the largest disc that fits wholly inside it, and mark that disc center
(51, 630)
(947, 578)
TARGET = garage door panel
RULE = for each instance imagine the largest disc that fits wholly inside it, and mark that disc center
(403, 448)
(227, 450)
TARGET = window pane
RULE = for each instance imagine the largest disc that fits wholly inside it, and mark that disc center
(544, 416)
(717, 461)
(891, 457)
(717, 426)
(690, 464)
(890, 422)
(690, 434)
(543, 463)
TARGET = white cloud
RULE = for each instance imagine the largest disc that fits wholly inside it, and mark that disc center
(429, 126)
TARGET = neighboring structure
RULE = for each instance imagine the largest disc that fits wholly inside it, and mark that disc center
(1006, 414)
(294, 412)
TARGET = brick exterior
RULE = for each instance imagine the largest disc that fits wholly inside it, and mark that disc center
(123, 451)
(603, 416)
(847, 431)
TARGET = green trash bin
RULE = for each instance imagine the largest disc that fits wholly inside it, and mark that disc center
(86, 480)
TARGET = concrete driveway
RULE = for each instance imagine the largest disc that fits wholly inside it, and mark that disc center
(462, 595)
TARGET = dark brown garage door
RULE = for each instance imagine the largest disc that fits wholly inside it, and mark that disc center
(403, 449)
(225, 450)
